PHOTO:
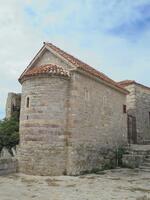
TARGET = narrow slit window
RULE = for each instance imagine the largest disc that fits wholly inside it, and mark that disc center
(149, 118)
(86, 94)
(28, 102)
(124, 109)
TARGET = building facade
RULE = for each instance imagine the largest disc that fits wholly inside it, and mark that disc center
(72, 117)
(13, 105)
(138, 109)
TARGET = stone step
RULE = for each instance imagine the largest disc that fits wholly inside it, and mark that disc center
(145, 170)
(144, 167)
(146, 164)
(146, 142)
(144, 153)
(147, 160)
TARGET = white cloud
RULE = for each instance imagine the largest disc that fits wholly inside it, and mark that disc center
(77, 26)
(18, 44)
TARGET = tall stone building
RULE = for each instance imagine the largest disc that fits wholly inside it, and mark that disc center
(13, 105)
(72, 118)
(138, 109)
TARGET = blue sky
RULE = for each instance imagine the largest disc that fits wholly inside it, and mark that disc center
(112, 36)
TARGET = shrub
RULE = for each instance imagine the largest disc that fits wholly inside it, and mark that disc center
(9, 133)
(119, 154)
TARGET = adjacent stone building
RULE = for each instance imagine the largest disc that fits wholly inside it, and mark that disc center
(72, 116)
(13, 105)
(138, 109)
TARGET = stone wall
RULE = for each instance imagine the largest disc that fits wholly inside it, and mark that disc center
(8, 165)
(43, 126)
(143, 113)
(49, 57)
(131, 100)
(138, 105)
(70, 126)
(13, 105)
(96, 124)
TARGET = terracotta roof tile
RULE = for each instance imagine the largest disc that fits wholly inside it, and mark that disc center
(80, 65)
(129, 82)
(126, 83)
(84, 66)
(46, 69)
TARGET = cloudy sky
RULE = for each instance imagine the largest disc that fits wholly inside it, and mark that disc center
(111, 35)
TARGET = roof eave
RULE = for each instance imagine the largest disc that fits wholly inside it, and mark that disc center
(118, 88)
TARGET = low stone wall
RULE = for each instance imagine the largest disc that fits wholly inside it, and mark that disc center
(135, 155)
(86, 159)
(8, 165)
(132, 160)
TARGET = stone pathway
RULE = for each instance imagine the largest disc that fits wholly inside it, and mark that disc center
(118, 184)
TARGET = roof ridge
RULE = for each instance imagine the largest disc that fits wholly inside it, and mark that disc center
(82, 65)
(129, 82)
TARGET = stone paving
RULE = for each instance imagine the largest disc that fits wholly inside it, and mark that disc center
(118, 184)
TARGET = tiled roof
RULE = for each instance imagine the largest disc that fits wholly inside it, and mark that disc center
(46, 69)
(130, 82)
(126, 82)
(85, 67)
(80, 65)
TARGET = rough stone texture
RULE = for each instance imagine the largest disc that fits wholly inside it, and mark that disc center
(138, 105)
(71, 125)
(49, 57)
(8, 165)
(97, 125)
(143, 113)
(132, 161)
(136, 155)
(13, 104)
(43, 126)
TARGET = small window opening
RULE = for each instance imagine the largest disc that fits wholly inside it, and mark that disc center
(13, 107)
(124, 109)
(149, 118)
(86, 94)
(28, 102)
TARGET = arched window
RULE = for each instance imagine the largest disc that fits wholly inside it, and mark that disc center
(28, 102)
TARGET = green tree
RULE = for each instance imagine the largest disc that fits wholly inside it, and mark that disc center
(9, 133)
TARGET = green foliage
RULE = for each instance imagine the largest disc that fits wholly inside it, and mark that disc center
(119, 154)
(9, 133)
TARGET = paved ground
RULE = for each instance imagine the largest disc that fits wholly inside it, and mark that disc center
(120, 184)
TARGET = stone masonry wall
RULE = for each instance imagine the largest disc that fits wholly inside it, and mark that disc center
(49, 57)
(13, 105)
(131, 100)
(97, 124)
(8, 165)
(138, 105)
(43, 126)
(143, 113)
(71, 125)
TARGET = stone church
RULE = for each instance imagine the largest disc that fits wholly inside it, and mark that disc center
(72, 118)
